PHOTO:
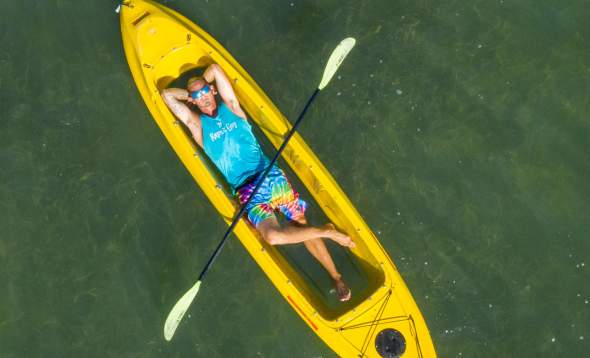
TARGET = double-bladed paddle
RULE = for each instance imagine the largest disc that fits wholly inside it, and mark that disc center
(180, 308)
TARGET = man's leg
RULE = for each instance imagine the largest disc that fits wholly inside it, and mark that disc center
(275, 193)
(274, 234)
(317, 248)
(312, 238)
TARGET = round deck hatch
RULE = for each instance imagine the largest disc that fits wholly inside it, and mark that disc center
(390, 343)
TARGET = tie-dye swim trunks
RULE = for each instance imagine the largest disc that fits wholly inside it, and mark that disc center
(275, 194)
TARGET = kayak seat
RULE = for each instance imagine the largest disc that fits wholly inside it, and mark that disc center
(174, 65)
(165, 52)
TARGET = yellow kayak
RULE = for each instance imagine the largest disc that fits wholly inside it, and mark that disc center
(382, 319)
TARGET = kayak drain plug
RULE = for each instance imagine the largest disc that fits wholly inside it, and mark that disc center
(390, 343)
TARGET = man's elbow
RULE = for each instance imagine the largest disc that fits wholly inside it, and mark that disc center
(216, 70)
(168, 96)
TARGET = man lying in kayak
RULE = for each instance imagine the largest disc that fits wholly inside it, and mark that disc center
(226, 137)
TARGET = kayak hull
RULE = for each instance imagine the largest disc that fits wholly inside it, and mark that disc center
(161, 45)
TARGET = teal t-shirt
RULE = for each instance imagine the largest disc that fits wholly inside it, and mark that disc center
(229, 142)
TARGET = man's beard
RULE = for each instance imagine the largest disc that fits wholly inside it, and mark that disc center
(195, 108)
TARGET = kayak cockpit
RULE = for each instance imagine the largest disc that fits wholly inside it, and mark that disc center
(362, 273)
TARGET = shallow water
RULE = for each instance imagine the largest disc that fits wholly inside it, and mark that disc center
(458, 129)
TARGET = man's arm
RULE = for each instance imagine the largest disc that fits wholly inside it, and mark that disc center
(226, 91)
(174, 97)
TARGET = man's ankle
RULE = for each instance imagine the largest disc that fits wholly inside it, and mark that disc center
(337, 277)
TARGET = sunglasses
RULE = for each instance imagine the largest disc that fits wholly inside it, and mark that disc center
(200, 93)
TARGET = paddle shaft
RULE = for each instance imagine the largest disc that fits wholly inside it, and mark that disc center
(260, 180)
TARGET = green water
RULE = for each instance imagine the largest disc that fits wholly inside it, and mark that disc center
(460, 130)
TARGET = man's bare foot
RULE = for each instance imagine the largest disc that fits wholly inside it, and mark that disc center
(337, 236)
(342, 290)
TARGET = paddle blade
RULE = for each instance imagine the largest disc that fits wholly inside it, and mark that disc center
(178, 311)
(338, 55)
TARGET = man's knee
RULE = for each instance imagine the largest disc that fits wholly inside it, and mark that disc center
(273, 236)
(270, 231)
